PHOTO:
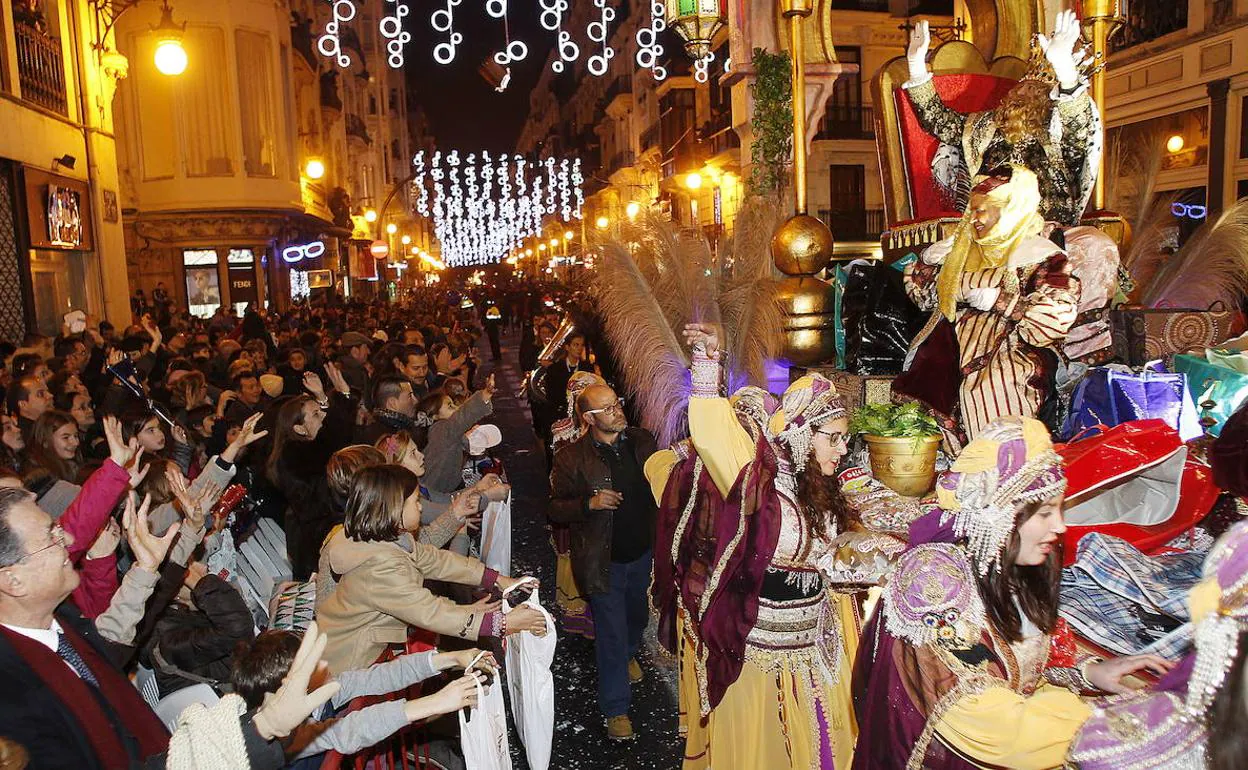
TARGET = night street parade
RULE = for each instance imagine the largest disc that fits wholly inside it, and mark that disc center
(624, 385)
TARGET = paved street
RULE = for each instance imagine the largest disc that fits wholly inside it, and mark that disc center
(580, 734)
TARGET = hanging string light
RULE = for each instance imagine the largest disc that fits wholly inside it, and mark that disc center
(443, 20)
(484, 207)
(649, 47)
(330, 43)
(702, 67)
(391, 28)
(597, 32)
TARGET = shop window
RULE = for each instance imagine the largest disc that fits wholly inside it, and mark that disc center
(203, 284)
(241, 269)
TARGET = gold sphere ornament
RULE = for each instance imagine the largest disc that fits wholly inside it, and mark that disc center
(802, 245)
(809, 320)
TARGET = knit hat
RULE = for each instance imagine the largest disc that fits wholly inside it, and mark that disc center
(1011, 463)
(272, 385)
(809, 402)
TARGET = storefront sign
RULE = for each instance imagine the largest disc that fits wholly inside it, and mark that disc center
(320, 279)
(243, 284)
(298, 253)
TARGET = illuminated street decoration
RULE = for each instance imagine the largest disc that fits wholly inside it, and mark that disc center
(443, 20)
(649, 47)
(484, 206)
(300, 252)
(330, 43)
(697, 22)
(702, 68)
(598, 32)
(391, 28)
(299, 288)
(551, 19)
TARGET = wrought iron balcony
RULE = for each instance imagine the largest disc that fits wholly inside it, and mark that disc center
(301, 39)
(330, 99)
(722, 140)
(40, 67)
(847, 121)
(650, 137)
(1149, 21)
(618, 161)
(854, 224)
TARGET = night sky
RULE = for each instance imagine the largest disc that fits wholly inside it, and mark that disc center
(464, 110)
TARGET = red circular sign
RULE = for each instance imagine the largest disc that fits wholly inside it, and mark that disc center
(379, 250)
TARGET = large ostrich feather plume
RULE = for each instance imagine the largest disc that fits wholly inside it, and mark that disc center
(657, 278)
(1211, 268)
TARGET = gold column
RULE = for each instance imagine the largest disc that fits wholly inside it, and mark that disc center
(1101, 19)
(802, 246)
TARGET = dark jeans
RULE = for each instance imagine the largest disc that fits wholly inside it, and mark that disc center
(620, 617)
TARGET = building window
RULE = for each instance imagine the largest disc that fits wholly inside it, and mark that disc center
(203, 285)
(256, 102)
(1243, 128)
(241, 269)
(845, 116)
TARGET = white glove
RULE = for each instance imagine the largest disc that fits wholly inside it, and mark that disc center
(1059, 49)
(983, 299)
(916, 53)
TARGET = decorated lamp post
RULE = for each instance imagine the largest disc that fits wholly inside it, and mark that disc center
(802, 246)
(1101, 19)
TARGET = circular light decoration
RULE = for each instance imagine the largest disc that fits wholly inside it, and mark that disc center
(702, 68)
(391, 28)
(697, 22)
(484, 207)
(649, 46)
(443, 20)
(330, 43)
(551, 19)
(597, 32)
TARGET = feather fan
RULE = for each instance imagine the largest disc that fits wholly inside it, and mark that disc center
(1211, 268)
(653, 363)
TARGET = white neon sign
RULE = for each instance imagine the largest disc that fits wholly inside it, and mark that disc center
(304, 251)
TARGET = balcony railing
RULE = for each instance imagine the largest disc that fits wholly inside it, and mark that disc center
(330, 99)
(847, 121)
(40, 68)
(301, 39)
(854, 224)
(356, 128)
(650, 137)
(1149, 21)
(620, 86)
(723, 140)
(620, 160)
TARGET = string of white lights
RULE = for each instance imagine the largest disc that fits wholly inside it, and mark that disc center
(649, 46)
(330, 43)
(597, 32)
(484, 207)
(443, 20)
(391, 29)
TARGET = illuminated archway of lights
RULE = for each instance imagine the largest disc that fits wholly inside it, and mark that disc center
(484, 206)
(552, 15)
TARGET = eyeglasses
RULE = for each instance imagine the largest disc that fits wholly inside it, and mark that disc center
(618, 406)
(58, 539)
(1192, 211)
(835, 437)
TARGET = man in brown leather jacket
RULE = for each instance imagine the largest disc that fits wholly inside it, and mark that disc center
(598, 487)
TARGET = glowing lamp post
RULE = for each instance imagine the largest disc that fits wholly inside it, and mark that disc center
(170, 57)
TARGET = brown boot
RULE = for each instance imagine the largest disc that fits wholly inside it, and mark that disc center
(620, 728)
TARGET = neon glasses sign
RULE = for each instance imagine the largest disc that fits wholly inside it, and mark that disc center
(306, 251)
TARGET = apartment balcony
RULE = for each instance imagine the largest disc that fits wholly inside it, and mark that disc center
(850, 225)
(723, 139)
(1149, 21)
(330, 100)
(650, 137)
(40, 67)
(301, 40)
(620, 88)
(847, 121)
(619, 161)
(356, 128)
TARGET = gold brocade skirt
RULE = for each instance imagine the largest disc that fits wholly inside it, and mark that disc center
(573, 605)
(783, 711)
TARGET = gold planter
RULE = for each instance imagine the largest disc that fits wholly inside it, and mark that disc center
(905, 465)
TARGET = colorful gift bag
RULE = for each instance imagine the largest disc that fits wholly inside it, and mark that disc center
(1217, 388)
(880, 320)
(1145, 334)
(1110, 397)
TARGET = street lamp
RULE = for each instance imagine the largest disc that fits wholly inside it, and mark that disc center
(405, 240)
(170, 56)
(632, 209)
(314, 169)
(392, 228)
(370, 215)
(1175, 144)
(693, 181)
(569, 235)
(603, 222)
(554, 243)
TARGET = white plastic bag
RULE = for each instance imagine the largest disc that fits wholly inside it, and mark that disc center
(496, 536)
(483, 735)
(531, 686)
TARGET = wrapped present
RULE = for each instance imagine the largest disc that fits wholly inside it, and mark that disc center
(1147, 334)
(879, 319)
(1217, 384)
(1135, 482)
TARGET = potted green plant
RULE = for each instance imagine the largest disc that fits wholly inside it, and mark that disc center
(903, 441)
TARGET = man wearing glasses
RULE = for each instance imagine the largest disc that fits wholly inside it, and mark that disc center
(598, 488)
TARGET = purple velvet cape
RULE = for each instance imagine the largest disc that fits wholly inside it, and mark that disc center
(753, 505)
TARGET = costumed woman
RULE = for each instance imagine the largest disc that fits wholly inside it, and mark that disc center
(573, 604)
(749, 509)
(1010, 297)
(1196, 718)
(967, 664)
(1046, 123)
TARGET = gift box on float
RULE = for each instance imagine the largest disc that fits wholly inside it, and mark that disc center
(1218, 382)
(1136, 482)
(1145, 334)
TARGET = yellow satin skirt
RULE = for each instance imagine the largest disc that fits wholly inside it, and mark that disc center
(781, 712)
